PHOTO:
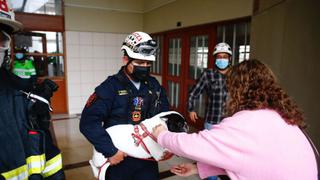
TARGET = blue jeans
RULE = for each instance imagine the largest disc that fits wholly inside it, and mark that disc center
(209, 126)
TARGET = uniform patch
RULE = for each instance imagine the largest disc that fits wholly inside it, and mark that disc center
(91, 100)
(122, 92)
(136, 116)
(137, 103)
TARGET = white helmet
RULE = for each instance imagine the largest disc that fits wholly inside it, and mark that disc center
(222, 48)
(7, 16)
(139, 45)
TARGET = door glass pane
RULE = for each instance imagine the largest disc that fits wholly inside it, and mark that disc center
(50, 7)
(46, 51)
(55, 66)
(54, 42)
(198, 56)
(175, 57)
(237, 35)
(32, 42)
(173, 93)
(243, 42)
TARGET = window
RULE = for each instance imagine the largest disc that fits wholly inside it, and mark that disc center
(198, 55)
(45, 49)
(244, 52)
(49, 7)
(175, 57)
(237, 35)
(173, 95)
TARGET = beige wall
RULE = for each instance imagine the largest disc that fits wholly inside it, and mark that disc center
(194, 12)
(151, 16)
(122, 5)
(99, 16)
(286, 37)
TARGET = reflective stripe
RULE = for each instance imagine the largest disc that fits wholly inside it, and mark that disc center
(53, 166)
(22, 70)
(36, 164)
(17, 174)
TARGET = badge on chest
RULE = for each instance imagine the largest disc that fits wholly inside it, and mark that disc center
(137, 104)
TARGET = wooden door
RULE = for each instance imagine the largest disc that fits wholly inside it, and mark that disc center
(173, 70)
(186, 55)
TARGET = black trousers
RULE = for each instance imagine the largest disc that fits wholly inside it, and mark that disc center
(133, 169)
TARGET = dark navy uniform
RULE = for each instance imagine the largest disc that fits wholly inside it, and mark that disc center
(117, 101)
(26, 152)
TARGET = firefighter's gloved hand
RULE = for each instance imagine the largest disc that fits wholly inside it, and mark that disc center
(39, 111)
(46, 89)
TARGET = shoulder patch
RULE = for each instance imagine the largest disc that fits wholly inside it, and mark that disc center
(91, 100)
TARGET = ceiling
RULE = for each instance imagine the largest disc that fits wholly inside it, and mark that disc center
(137, 6)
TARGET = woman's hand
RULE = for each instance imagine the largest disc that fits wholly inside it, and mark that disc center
(158, 129)
(186, 169)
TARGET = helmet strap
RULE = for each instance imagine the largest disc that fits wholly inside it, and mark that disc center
(6, 60)
(126, 67)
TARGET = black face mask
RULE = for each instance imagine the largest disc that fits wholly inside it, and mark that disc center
(140, 73)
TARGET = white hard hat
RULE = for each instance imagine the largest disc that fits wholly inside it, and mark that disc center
(222, 48)
(139, 45)
(7, 16)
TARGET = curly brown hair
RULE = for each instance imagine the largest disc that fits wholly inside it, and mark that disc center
(252, 85)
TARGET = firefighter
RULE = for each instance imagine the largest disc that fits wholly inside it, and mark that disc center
(27, 151)
(128, 97)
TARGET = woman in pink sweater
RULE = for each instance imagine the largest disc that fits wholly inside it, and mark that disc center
(260, 139)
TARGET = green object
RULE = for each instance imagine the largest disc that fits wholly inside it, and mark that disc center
(24, 69)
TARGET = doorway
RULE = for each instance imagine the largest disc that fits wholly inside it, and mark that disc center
(47, 52)
(186, 53)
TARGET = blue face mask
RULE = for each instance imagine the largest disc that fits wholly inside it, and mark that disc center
(19, 55)
(222, 63)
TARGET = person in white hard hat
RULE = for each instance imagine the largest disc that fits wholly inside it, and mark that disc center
(26, 149)
(213, 83)
(128, 97)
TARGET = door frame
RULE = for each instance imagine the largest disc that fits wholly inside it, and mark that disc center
(183, 79)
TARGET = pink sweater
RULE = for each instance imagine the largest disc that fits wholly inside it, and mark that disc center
(250, 145)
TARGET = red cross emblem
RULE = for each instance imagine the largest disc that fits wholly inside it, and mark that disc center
(4, 6)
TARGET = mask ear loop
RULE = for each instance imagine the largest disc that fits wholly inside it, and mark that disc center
(126, 66)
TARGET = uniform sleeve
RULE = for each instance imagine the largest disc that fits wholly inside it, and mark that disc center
(196, 90)
(91, 123)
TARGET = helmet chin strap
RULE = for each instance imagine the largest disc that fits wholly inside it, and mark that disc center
(3, 57)
(126, 68)
(5, 47)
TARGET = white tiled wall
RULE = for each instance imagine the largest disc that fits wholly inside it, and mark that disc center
(91, 58)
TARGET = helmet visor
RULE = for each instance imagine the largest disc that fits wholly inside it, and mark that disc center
(147, 48)
(4, 40)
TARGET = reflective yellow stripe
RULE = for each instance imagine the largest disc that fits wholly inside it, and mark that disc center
(36, 164)
(17, 174)
(53, 166)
